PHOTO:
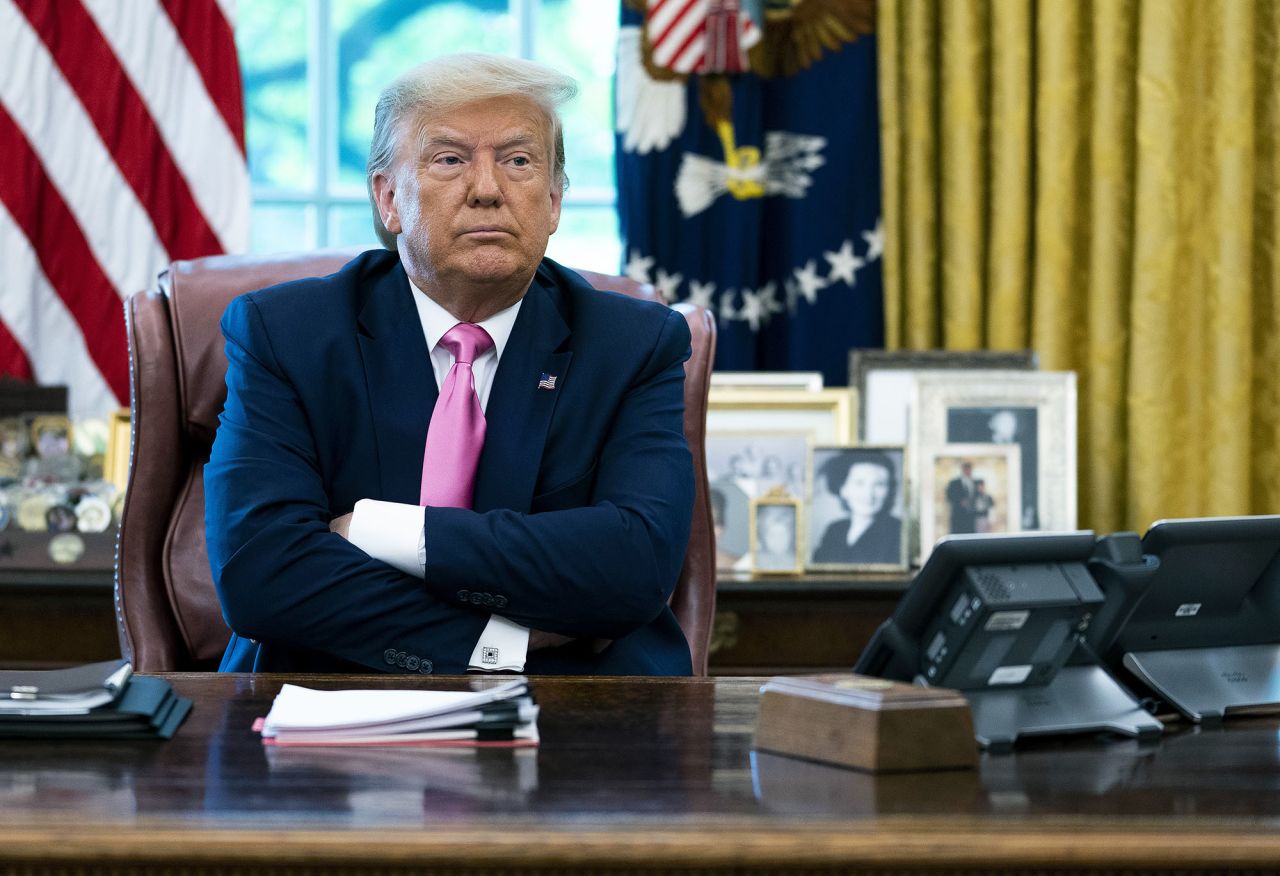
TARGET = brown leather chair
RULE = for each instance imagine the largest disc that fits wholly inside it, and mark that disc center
(166, 608)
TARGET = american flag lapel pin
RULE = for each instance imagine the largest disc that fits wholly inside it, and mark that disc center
(547, 381)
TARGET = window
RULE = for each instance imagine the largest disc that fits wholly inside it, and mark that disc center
(312, 72)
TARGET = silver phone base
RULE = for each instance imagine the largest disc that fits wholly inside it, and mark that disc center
(1080, 699)
(1207, 683)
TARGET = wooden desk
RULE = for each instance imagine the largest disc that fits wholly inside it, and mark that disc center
(56, 615)
(633, 775)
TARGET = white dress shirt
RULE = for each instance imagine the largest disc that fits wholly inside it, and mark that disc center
(393, 532)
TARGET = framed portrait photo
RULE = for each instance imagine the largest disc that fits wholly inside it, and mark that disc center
(776, 536)
(825, 415)
(1035, 410)
(883, 379)
(116, 464)
(856, 509)
(802, 381)
(970, 488)
(743, 467)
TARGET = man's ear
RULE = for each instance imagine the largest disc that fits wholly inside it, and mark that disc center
(556, 197)
(384, 198)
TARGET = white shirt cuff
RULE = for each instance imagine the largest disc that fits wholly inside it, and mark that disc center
(503, 647)
(390, 532)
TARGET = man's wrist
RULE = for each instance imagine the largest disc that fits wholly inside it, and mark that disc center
(390, 532)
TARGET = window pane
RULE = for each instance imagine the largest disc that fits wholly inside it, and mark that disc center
(271, 39)
(579, 37)
(282, 227)
(377, 40)
(352, 226)
(587, 238)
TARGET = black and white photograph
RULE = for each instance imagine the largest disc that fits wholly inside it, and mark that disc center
(742, 467)
(970, 488)
(856, 509)
(1034, 411)
(883, 380)
(775, 536)
(1003, 425)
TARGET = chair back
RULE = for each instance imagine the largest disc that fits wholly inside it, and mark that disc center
(166, 606)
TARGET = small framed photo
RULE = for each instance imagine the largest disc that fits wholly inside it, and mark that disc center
(856, 509)
(826, 415)
(1035, 410)
(14, 446)
(116, 464)
(776, 536)
(883, 380)
(742, 467)
(970, 488)
(51, 435)
(803, 381)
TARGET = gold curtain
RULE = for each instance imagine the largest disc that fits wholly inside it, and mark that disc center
(1097, 180)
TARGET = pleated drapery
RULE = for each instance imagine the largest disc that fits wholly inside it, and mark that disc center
(1097, 180)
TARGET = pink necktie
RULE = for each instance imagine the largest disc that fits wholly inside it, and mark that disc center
(456, 434)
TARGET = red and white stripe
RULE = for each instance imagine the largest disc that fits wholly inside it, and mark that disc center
(121, 127)
(700, 36)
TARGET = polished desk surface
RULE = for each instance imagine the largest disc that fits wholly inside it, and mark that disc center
(631, 774)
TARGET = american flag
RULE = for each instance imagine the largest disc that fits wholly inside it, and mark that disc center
(700, 36)
(547, 381)
(122, 136)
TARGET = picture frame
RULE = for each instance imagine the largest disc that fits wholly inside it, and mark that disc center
(1034, 409)
(741, 467)
(116, 464)
(826, 415)
(886, 396)
(870, 502)
(777, 535)
(949, 506)
(801, 381)
(51, 435)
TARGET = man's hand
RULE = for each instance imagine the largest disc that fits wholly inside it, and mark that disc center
(539, 640)
(342, 526)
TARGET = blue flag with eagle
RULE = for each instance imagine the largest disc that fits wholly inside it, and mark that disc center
(749, 173)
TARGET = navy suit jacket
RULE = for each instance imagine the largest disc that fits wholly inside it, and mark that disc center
(583, 495)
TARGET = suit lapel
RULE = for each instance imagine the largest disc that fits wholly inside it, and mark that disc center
(519, 413)
(401, 384)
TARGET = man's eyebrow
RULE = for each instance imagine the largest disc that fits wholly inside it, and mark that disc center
(517, 140)
(428, 139)
(450, 140)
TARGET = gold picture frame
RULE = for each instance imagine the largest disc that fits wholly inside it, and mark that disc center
(779, 550)
(827, 415)
(116, 464)
(998, 467)
(56, 425)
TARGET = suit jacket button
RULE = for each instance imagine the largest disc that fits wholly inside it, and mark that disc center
(488, 599)
(412, 663)
(401, 658)
(477, 598)
(389, 655)
(463, 595)
(425, 668)
(499, 602)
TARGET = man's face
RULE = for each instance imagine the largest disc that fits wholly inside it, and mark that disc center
(471, 192)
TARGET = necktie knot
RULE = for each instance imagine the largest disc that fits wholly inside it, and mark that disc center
(466, 341)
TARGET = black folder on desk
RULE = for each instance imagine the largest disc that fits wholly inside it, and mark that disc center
(141, 708)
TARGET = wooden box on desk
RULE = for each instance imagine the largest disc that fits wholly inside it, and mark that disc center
(867, 723)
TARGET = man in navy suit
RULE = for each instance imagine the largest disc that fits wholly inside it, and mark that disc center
(572, 540)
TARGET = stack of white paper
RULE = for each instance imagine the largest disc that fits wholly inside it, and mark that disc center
(501, 715)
